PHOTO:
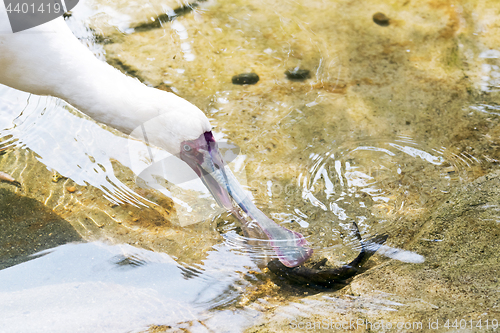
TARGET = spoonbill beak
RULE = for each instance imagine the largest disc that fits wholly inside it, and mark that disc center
(203, 156)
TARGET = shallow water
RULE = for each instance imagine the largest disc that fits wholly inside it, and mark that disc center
(391, 120)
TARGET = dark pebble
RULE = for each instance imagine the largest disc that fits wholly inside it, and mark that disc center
(298, 74)
(246, 78)
(381, 19)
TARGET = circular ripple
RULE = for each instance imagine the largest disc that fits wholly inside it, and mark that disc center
(373, 182)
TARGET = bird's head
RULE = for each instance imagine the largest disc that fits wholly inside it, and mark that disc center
(185, 131)
(176, 121)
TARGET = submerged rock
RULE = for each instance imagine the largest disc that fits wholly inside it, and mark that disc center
(245, 78)
(298, 74)
(381, 19)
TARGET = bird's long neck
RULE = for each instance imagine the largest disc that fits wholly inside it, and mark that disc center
(33, 62)
(107, 95)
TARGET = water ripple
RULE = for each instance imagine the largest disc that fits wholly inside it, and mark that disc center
(373, 182)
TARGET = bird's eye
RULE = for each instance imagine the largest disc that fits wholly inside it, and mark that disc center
(187, 148)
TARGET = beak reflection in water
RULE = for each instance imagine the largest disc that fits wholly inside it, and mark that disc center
(203, 156)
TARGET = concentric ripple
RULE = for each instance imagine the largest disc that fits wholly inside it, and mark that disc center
(377, 183)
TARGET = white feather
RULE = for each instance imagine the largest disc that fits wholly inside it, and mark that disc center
(49, 60)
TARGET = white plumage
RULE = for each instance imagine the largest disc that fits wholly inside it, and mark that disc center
(49, 60)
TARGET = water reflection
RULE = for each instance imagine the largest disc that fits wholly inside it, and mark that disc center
(77, 149)
(64, 140)
(92, 287)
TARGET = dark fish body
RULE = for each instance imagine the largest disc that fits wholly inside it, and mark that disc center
(327, 278)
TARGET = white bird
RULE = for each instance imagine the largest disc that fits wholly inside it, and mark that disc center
(50, 60)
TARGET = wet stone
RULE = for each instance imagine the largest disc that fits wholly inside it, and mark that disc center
(381, 19)
(298, 74)
(245, 78)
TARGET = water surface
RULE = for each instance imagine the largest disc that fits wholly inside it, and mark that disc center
(391, 121)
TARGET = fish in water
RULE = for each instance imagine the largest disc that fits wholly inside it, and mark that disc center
(327, 278)
(4, 177)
